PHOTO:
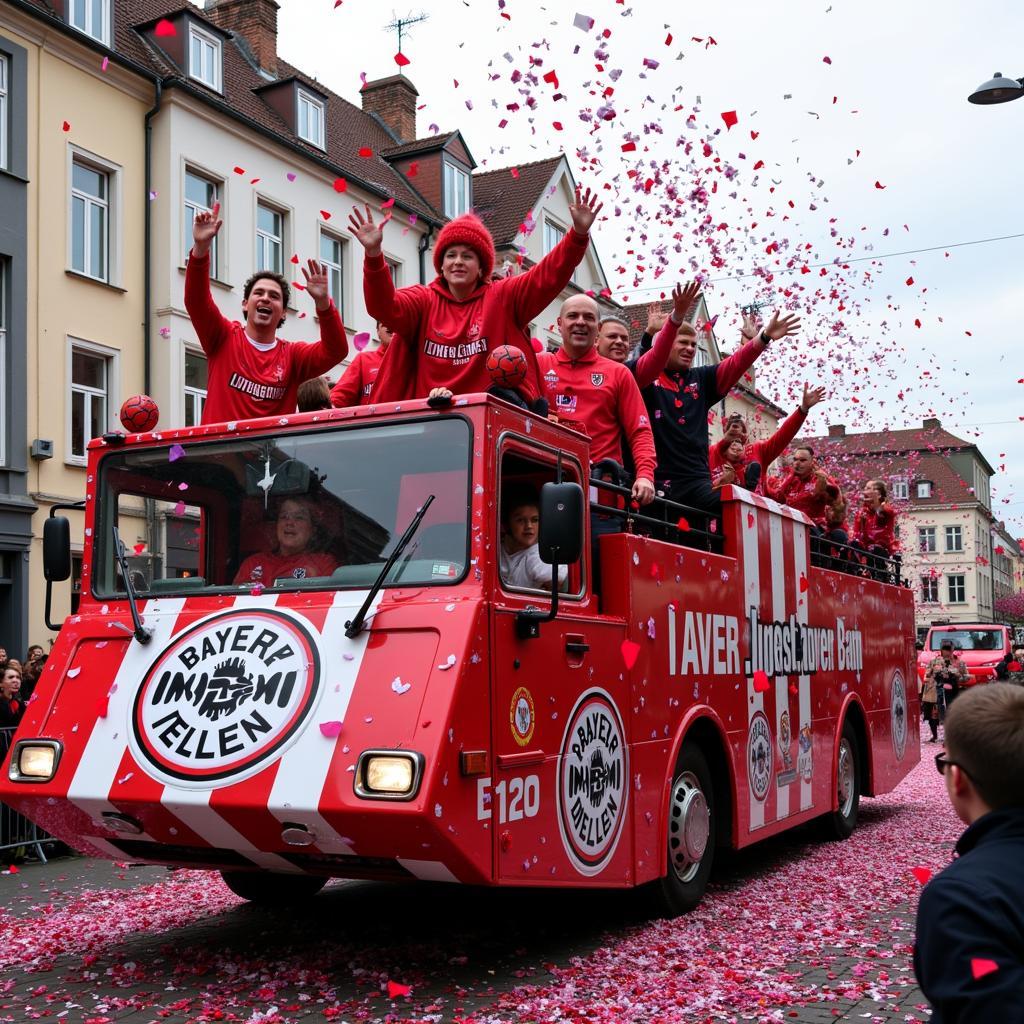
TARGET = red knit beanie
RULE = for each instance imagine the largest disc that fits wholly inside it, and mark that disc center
(466, 230)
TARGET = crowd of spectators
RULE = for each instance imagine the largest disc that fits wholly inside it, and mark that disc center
(17, 682)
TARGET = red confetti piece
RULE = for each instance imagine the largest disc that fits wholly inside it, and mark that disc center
(395, 990)
(414, 169)
(102, 706)
(295, 259)
(668, 39)
(66, 126)
(557, 125)
(387, 204)
(325, 214)
(239, 170)
(630, 652)
(164, 29)
(878, 184)
(683, 524)
(921, 874)
(750, 520)
(980, 967)
(803, 584)
(629, 147)
(761, 682)
(826, 60)
(910, 281)
(730, 118)
(401, 60)
(551, 78)
(365, 151)
(340, 184)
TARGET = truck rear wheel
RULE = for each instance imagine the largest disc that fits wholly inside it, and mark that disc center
(691, 835)
(268, 889)
(840, 823)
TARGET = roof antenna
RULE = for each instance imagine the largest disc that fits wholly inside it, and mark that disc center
(401, 25)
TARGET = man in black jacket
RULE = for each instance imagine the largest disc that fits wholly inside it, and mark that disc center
(969, 955)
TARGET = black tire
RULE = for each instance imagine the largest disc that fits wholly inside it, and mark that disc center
(691, 835)
(839, 824)
(268, 889)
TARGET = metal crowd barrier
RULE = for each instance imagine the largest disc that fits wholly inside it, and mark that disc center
(17, 832)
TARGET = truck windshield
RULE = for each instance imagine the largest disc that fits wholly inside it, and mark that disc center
(296, 511)
(968, 639)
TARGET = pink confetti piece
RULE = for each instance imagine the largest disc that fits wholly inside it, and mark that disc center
(395, 990)
(630, 650)
(360, 341)
(330, 729)
(980, 967)
(182, 487)
(164, 29)
(105, 64)
(291, 175)
(179, 509)
(176, 452)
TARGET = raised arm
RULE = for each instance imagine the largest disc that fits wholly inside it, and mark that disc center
(400, 310)
(332, 347)
(771, 448)
(530, 293)
(210, 325)
(650, 364)
(732, 368)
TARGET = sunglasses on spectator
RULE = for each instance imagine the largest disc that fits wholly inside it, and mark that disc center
(942, 762)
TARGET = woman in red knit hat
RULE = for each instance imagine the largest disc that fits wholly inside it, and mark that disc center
(447, 328)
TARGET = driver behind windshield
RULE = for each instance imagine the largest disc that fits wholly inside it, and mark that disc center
(298, 550)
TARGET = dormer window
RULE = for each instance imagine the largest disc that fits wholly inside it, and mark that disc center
(924, 488)
(91, 17)
(204, 57)
(456, 191)
(311, 119)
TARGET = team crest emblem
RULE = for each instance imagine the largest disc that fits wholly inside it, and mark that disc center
(225, 697)
(521, 716)
(898, 700)
(474, 331)
(759, 756)
(597, 379)
(593, 774)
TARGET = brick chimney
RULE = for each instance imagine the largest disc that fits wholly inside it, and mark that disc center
(255, 21)
(837, 430)
(393, 100)
(931, 423)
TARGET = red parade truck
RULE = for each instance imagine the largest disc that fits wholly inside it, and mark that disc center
(411, 715)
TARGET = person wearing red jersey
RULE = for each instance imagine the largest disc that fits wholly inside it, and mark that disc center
(750, 461)
(295, 554)
(356, 384)
(447, 328)
(811, 491)
(874, 524)
(252, 372)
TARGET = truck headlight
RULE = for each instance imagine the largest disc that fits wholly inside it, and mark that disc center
(34, 761)
(388, 774)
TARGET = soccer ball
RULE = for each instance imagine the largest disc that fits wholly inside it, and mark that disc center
(507, 366)
(139, 414)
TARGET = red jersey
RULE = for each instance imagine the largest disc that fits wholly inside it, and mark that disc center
(804, 497)
(764, 452)
(600, 396)
(246, 381)
(443, 342)
(265, 567)
(875, 527)
(357, 381)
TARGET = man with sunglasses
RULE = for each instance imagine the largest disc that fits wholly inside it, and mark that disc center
(969, 954)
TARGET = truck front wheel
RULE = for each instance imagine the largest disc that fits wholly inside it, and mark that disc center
(690, 835)
(268, 889)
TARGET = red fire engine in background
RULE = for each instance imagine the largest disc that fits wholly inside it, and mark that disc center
(413, 716)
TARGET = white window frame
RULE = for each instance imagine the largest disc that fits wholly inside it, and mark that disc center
(113, 395)
(335, 271)
(90, 201)
(190, 209)
(199, 394)
(929, 533)
(395, 266)
(264, 238)
(5, 77)
(929, 590)
(458, 195)
(316, 136)
(550, 224)
(87, 27)
(900, 488)
(962, 586)
(924, 488)
(206, 40)
(114, 240)
(957, 533)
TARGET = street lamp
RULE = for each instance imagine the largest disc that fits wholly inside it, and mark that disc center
(998, 90)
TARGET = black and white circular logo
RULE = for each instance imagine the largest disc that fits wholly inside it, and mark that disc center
(898, 702)
(759, 756)
(225, 696)
(593, 775)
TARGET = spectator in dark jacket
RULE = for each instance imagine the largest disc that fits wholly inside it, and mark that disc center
(969, 955)
(11, 705)
(1011, 668)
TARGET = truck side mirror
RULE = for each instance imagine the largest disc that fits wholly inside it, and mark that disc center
(561, 523)
(56, 549)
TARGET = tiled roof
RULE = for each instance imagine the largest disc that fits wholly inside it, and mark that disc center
(424, 145)
(348, 129)
(503, 200)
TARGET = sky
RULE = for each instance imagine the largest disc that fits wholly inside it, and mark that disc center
(852, 141)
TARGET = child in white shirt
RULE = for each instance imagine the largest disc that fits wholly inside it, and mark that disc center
(521, 565)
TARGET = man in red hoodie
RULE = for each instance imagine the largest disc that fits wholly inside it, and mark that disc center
(252, 372)
(356, 384)
(810, 490)
(753, 460)
(447, 328)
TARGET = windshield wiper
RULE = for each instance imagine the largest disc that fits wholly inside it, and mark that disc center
(140, 632)
(353, 626)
